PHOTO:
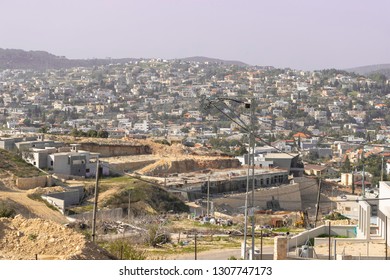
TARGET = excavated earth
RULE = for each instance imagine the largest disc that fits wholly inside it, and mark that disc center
(29, 239)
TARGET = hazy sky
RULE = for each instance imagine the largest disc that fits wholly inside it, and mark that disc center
(301, 34)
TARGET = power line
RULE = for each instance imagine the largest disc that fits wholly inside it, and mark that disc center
(265, 142)
(246, 129)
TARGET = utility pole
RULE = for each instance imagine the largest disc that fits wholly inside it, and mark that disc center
(253, 176)
(386, 237)
(261, 245)
(363, 185)
(128, 209)
(329, 243)
(247, 105)
(318, 202)
(208, 197)
(95, 201)
(196, 249)
(382, 169)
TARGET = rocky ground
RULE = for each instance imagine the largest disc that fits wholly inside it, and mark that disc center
(28, 239)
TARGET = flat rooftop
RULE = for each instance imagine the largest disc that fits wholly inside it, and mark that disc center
(217, 175)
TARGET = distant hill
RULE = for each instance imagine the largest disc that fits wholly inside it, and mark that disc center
(41, 60)
(371, 69)
(203, 59)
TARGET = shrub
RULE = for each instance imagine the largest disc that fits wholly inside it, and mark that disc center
(123, 249)
(156, 236)
(6, 211)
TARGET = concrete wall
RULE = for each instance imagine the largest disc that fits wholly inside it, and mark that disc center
(289, 198)
(189, 165)
(78, 165)
(308, 187)
(363, 229)
(57, 202)
(33, 182)
(60, 163)
(346, 179)
(7, 144)
(64, 199)
(280, 248)
(107, 150)
(130, 166)
(67, 177)
(384, 210)
(302, 238)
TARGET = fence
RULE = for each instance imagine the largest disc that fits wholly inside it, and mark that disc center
(106, 215)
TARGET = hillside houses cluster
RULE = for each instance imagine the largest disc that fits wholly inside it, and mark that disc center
(335, 111)
(54, 157)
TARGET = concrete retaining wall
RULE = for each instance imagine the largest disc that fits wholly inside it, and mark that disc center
(107, 150)
(64, 199)
(130, 166)
(309, 188)
(34, 182)
(302, 238)
(288, 196)
(57, 202)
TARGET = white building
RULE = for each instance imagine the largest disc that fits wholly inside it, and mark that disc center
(143, 126)
(384, 211)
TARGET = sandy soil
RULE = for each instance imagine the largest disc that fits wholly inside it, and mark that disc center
(26, 239)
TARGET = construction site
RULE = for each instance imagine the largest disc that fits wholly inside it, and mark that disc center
(157, 196)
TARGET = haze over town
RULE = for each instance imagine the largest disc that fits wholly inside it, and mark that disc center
(157, 129)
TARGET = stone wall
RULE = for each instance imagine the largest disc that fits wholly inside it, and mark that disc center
(34, 182)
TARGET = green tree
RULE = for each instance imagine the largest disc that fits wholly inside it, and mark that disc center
(27, 122)
(346, 167)
(92, 133)
(43, 129)
(102, 134)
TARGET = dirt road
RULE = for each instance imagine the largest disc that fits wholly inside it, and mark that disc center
(27, 207)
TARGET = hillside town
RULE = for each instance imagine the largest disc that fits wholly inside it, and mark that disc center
(302, 144)
(326, 115)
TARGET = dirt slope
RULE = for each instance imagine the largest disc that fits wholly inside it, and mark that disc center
(25, 206)
(26, 239)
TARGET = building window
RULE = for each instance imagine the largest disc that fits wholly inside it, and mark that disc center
(35, 163)
(87, 170)
(51, 163)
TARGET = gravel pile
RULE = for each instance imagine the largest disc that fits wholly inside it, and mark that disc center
(28, 239)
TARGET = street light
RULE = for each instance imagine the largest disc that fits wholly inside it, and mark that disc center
(251, 145)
